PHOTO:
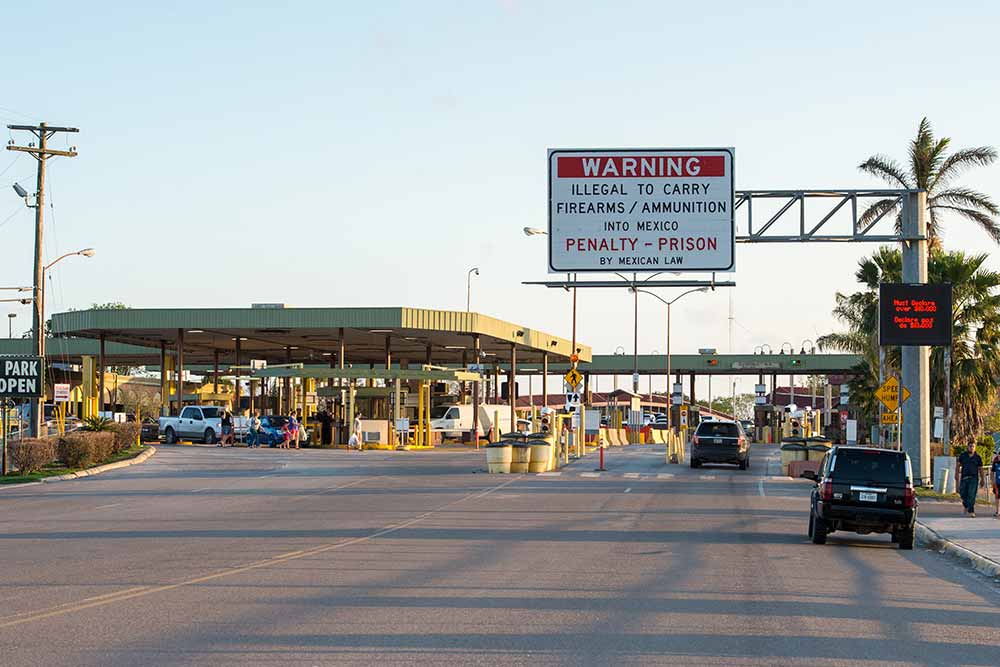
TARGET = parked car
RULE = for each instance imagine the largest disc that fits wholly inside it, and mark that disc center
(150, 430)
(720, 441)
(748, 427)
(197, 422)
(863, 490)
(270, 431)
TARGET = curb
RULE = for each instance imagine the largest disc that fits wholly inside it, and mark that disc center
(141, 458)
(929, 538)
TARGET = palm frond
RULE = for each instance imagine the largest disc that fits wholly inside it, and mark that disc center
(886, 169)
(961, 160)
(988, 224)
(882, 207)
(966, 198)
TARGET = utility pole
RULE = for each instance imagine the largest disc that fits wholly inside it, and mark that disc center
(41, 153)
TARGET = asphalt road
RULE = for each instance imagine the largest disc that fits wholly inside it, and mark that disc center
(207, 556)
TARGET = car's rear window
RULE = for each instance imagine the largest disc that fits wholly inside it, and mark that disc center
(211, 413)
(869, 466)
(718, 430)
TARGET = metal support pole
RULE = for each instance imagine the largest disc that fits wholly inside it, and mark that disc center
(512, 387)
(916, 366)
(946, 422)
(476, 388)
(180, 372)
(215, 371)
(635, 340)
(545, 379)
(100, 376)
(881, 380)
(390, 425)
(670, 382)
(164, 382)
(3, 424)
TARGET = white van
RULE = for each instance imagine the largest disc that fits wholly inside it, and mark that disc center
(456, 419)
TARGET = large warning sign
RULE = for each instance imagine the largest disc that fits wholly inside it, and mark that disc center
(641, 210)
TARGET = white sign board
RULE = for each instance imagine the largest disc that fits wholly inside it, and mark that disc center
(60, 393)
(593, 421)
(403, 424)
(641, 210)
(572, 401)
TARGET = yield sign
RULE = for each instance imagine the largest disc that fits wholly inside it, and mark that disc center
(889, 394)
(573, 378)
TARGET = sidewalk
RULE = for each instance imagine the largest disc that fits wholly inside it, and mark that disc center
(947, 529)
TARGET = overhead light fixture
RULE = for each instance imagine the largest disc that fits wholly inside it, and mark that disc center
(409, 338)
(21, 192)
(293, 347)
(455, 347)
(195, 331)
(88, 252)
(328, 354)
(381, 330)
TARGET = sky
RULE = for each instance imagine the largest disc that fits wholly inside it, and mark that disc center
(369, 154)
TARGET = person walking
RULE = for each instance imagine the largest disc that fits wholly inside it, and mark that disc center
(355, 441)
(253, 431)
(968, 470)
(286, 435)
(995, 478)
(300, 426)
(293, 428)
(227, 429)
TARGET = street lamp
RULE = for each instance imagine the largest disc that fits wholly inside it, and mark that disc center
(654, 352)
(10, 324)
(468, 288)
(39, 333)
(668, 305)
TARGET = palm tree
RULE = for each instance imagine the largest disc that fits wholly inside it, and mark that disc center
(931, 168)
(975, 358)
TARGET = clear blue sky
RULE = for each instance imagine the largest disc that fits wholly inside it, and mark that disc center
(349, 154)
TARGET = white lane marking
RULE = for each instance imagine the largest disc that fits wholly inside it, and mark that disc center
(629, 489)
(760, 486)
(205, 488)
(104, 507)
(779, 478)
(631, 475)
(590, 474)
(707, 476)
(549, 474)
(665, 475)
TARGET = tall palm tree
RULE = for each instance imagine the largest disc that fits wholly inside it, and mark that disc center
(931, 168)
(975, 358)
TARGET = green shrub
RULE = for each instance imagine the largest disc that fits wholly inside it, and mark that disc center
(126, 436)
(31, 454)
(82, 449)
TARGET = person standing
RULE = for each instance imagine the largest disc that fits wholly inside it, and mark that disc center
(968, 470)
(300, 427)
(293, 431)
(326, 427)
(227, 429)
(356, 439)
(995, 478)
(253, 431)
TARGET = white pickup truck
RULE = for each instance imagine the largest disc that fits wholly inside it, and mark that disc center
(196, 422)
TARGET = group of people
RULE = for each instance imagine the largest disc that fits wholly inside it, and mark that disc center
(969, 470)
(290, 432)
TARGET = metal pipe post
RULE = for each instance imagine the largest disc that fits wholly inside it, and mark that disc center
(635, 339)
(916, 367)
(670, 381)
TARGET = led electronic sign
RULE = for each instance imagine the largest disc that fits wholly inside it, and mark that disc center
(914, 314)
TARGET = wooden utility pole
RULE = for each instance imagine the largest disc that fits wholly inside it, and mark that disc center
(41, 153)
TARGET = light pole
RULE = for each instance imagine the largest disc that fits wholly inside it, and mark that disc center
(668, 304)
(36, 403)
(650, 387)
(468, 288)
(10, 324)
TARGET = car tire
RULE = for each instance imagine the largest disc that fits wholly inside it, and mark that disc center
(695, 463)
(818, 530)
(906, 539)
(895, 537)
(209, 436)
(169, 436)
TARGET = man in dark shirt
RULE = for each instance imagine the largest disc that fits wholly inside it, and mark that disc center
(968, 469)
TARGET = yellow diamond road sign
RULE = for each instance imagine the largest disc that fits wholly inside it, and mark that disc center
(889, 394)
(573, 378)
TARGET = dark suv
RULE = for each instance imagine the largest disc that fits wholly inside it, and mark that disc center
(863, 490)
(720, 441)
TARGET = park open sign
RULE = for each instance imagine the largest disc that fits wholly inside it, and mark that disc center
(20, 377)
(914, 314)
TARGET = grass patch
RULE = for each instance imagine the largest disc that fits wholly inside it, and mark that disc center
(56, 469)
(931, 494)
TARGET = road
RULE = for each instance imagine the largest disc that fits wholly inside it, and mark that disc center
(208, 556)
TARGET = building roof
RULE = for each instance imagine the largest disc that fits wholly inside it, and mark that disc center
(282, 335)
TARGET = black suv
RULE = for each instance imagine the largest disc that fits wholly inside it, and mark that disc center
(720, 441)
(863, 490)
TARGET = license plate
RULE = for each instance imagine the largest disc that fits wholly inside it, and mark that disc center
(718, 441)
(868, 497)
